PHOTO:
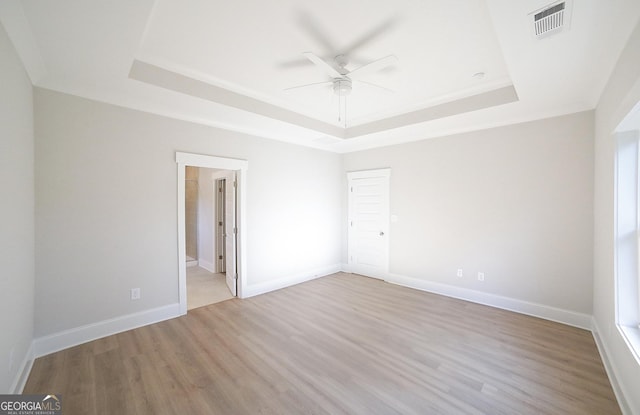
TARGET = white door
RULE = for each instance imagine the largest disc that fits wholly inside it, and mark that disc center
(220, 190)
(231, 230)
(368, 235)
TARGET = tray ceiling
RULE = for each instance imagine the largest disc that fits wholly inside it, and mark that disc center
(227, 64)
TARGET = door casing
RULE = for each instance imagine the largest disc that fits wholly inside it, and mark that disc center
(213, 162)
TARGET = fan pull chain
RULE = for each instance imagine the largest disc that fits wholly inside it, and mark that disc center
(340, 118)
(345, 111)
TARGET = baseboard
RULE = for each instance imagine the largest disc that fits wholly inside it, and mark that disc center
(207, 265)
(83, 334)
(610, 369)
(265, 287)
(23, 374)
(193, 263)
(559, 315)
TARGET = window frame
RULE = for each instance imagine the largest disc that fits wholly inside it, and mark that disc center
(627, 236)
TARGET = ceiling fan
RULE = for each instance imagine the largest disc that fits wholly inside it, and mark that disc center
(341, 79)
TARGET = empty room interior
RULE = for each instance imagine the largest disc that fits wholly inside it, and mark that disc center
(321, 207)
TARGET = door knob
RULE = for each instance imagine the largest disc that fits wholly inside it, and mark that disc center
(381, 233)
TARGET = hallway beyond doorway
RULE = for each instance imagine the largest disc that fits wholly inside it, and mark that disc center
(204, 288)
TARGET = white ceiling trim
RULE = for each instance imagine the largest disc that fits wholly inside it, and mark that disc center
(486, 119)
(155, 75)
(164, 78)
(489, 99)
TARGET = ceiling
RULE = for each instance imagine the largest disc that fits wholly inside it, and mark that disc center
(228, 63)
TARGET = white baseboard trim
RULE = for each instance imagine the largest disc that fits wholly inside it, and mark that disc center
(265, 287)
(23, 373)
(610, 369)
(193, 263)
(207, 265)
(68, 338)
(546, 312)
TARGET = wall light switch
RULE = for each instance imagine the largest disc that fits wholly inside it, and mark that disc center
(459, 274)
(135, 293)
(480, 276)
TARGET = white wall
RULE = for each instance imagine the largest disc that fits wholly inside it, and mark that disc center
(16, 215)
(106, 211)
(513, 202)
(620, 95)
(206, 219)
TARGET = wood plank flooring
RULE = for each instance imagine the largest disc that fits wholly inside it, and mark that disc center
(342, 344)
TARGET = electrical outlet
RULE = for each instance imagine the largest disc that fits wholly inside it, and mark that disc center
(459, 274)
(480, 276)
(135, 293)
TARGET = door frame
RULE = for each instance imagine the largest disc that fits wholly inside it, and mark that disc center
(212, 162)
(369, 174)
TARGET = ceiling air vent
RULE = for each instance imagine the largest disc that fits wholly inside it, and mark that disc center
(551, 19)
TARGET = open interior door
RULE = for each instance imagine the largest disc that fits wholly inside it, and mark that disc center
(231, 232)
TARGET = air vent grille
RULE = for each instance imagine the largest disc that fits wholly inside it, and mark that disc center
(550, 20)
(550, 11)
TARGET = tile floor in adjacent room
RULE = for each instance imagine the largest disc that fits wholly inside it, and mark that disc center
(204, 288)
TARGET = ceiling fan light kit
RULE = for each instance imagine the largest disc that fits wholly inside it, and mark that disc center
(342, 79)
(342, 86)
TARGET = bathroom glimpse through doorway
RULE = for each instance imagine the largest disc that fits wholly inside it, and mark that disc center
(229, 236)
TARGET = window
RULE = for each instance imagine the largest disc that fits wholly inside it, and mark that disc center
(627, 208)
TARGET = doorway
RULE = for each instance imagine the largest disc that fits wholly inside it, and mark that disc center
(209, 212)
(368, 222)
(235, 241)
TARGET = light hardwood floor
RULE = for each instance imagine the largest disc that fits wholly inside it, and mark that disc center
(342, 344)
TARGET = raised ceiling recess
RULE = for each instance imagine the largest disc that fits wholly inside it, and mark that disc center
(365, 63)
(428, 68)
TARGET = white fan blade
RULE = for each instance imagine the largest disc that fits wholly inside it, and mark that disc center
(373, 66)
(391, 91)
(370, 36)
(308, 23)
(330, 70)
(306, 85)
